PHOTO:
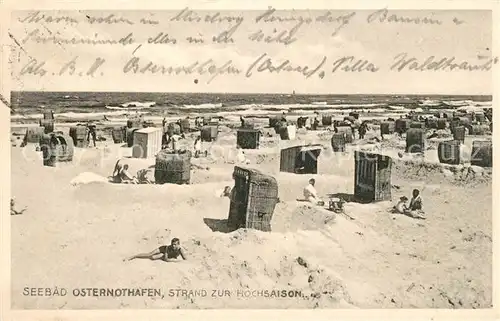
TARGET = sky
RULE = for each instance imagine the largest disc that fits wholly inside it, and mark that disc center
(378, 42)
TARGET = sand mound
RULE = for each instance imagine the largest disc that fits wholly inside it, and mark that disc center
(443, 133)
(269, 158)
(87, 178)
(248, 260)
(202, 176)
(439, 173)
(293, 216)
(393, 141)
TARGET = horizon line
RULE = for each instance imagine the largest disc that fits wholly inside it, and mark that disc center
(248, 93)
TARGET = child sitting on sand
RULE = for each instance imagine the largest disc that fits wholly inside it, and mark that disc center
(167, 253)
(226, 192)
(400, 207)
(415, 208)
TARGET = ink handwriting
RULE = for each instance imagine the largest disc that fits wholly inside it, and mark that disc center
(264, 63)
(110, 19)
(162, 38)
(432, 63)
(384, 16)
(223, 31)
(38, 17)
(271, 26)
(40, 37)
(33, 67)
(343, 20)
(149, 22)
(285, 37)
(96, 65)
(207, 67)
(39, 68)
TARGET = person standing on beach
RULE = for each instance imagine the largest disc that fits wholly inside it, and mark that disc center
(197, 147)
(335, 129)
(353, 128)
(91, 132)
(315, 124)
(167, 253)
(165, 140)
(174, 139)
(178, 122)
(363, 128)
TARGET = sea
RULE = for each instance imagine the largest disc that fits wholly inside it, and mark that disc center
(75, 105)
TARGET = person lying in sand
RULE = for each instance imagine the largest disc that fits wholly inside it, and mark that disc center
(310, 193)
(13, 211)
(167, 253)
(433, 135)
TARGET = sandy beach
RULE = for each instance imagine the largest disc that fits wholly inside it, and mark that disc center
(157, 211)
(75, 236)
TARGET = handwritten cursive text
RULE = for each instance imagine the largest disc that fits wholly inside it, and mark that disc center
(383, 15)
(109, 19)
(187, 15)
(342, 20)
(431, 63)
(266, 63)
(39, 37)
(352, 64)
(38, 17)
(34, 67)
(209, 67)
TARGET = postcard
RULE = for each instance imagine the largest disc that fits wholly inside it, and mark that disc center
(291, 159)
